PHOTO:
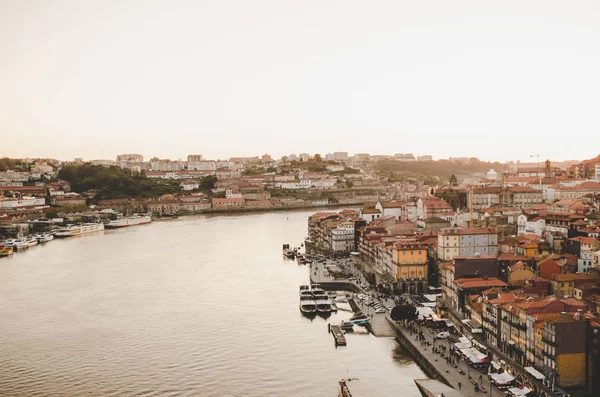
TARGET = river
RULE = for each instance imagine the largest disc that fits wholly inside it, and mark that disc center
(198, 306)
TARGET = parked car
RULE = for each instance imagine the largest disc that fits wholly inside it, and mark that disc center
(380, 310)
(443, 335)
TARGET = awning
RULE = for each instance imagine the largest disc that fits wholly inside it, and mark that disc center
(502, 379)
(511, 342)
(519, 391)
(496, 365)
(535, 373)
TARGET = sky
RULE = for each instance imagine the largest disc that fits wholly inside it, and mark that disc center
(496, 80)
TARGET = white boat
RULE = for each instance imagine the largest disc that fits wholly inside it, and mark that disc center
(11, 242)
(24, 243)
(321, 299)
(129, 221)
(78, 230)
(43, 237)
(307, 302)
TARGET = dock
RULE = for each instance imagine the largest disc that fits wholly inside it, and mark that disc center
(338, 335)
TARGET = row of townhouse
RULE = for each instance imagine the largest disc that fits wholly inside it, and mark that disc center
(549, 334)
(517, 196)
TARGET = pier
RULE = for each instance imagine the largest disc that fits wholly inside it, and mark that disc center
(338, 335)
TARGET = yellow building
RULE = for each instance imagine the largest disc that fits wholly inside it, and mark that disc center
(519, 272)
(411, 266)
(564, 284)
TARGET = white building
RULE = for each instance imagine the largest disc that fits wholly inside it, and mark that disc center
(202, 165)
(324, 183)
(163, 165)
(597, 172)
(584, 262)
(304, 156)
(22, 202)
(231, 194)
(190, 185)
(342, 237)
(492, 175)
(340, 156)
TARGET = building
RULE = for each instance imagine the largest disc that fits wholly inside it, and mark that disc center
(411, 270)
(189, 184)
(130, 158)
(425, 157)
(340, 156)
(194, 158)
(466, 242)
(565, 349)
(228, 203)
(342, 238)
(518, 273)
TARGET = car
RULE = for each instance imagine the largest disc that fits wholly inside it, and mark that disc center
(390, 308)
(380, 310)
(443, 335)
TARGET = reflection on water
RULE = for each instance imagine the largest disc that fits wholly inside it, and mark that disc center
(200, 306)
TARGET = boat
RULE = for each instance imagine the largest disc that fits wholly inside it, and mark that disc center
(43, 237)
(6, 251)
(11, 242)
(287, 252)
(301, 260)
(128, 221)
(321, 299)
(307, 302)
(304, 287)
(78, 230)
(347, 326)
(24, 243)
(354, 388)
(359, 318)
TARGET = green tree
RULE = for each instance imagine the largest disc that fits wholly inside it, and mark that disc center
(208, 182)
(453, 180)
(317, 158)
(404, 313)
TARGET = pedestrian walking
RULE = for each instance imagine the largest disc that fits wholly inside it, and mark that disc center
(459, 386)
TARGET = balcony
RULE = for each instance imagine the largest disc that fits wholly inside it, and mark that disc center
(549, 342)
(550, 356)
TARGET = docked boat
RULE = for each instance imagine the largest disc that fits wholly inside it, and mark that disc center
(307, 303)
(129, 221)
(78, 230)
(11, 242)
(301, 260)
(359, 318)
(347, 326)
(288, 252)
(6, 251)
(321, 299)
(24, 243)
(43, 237)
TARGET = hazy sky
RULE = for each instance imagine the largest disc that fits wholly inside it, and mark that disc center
(497, 80)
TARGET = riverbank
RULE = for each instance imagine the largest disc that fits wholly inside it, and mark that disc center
(273, 209)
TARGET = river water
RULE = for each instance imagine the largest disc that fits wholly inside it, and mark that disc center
(198, 306)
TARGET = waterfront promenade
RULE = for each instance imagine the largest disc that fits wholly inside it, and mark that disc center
(434, 361)
(382, 325)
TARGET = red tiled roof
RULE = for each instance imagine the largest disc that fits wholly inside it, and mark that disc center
(479, 282)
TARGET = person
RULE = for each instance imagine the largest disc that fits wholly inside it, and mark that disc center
(459, 385)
